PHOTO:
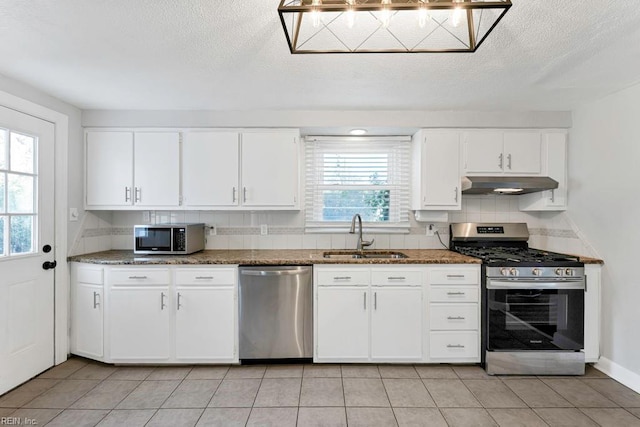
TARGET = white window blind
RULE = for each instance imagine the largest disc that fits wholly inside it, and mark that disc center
(365, 175)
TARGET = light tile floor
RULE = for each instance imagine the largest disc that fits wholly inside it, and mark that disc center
(85, 393)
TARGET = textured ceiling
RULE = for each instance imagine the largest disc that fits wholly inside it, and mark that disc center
(232, 55)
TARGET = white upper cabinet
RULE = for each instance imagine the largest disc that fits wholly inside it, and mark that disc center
(436, 174)
(270, 169)
(210, 169)
(554, 151)
(125, 170)
(502, 152)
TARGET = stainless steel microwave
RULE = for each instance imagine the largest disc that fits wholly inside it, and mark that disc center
(168, 239)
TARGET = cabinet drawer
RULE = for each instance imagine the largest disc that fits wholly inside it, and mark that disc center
(453, 345)
(395, 277)
(454, 276)
(89, 275)
(453, 316)
(223, 276)
(140, 276)
(454, 293)
(343, 277)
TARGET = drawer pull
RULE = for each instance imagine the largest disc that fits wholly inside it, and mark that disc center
(455, 318)
(455, 276)
(138, 277)
(204, 277)
(96, 303)
(162, 304)
(455, 346)
(179, 304)
(342, 278)
(396, 278)
(456, 293)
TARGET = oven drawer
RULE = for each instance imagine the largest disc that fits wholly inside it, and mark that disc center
(453, 316)
(344, 277)
(453, 344)
(454, 276)
(454, 294)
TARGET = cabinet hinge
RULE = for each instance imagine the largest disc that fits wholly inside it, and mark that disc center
(180, 200)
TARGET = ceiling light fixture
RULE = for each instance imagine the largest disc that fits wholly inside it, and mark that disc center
(389, 26)
(358, 132)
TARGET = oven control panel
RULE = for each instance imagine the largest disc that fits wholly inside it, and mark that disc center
(562, 273)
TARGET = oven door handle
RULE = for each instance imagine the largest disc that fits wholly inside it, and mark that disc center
(531, 284)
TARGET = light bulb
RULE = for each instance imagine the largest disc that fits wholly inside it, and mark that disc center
(350, 14)
(385, 13)
(423, 17)
(315, 13)
(457, 14)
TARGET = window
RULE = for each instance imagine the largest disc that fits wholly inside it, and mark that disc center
(17, 193)
(350, 175)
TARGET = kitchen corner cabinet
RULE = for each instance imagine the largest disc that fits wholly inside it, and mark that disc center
(154, 314)
(498, 152)
(87, 306)
(241, 170)
(592, 295)
(367, 314)
(436, 173)
(554, 151)
(132, 170)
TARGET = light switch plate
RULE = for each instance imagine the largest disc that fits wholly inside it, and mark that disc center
(73, 214)
(264, 229)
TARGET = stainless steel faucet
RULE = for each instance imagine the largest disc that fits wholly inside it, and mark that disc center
(361, 243)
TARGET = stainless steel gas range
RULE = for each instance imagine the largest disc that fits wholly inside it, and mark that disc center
(532, 301)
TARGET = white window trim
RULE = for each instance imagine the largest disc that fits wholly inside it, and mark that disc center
(402, 186)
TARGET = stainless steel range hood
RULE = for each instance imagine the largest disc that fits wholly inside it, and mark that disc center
(507, 184)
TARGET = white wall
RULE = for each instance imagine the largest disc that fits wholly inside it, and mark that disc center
(75, 170)
(604, 174)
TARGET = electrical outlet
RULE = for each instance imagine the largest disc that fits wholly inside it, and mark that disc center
(73, 214)
(264, 230)
(431, 230)
(213, 231)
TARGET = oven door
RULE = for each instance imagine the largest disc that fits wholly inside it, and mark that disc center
(148, 240)
(534, 315)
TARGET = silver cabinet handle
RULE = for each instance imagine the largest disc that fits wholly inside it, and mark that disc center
(500, 160)
(456, 195)
(96, 303)
(375, 300)
(234, 195)
(244, 194)
(455, 346)
(162, 304)
(179, 305)
(455, 293)
(138, 194)
(455, 318)
(204, 277)
(127, 194)
(342, 278)
(396, 278)
(137, 277)
(365, 300)
(509, 160)
(455, 276)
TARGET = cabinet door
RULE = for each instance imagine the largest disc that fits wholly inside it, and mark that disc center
(483, 152)
(440, 160)
(522, 152)
(157, 169)
(396, 323)
(109, 169)
(342, 330)
(205, 323)
(139, 323)
(87, 324)
(269, 169)
(210, 169)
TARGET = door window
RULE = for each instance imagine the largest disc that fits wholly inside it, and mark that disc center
(18, 195)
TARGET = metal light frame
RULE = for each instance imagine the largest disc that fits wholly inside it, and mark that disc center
(295, 10)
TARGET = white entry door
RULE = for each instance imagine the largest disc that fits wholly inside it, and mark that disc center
(26, 244)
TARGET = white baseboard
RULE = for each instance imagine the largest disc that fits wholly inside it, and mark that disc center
(619, 373)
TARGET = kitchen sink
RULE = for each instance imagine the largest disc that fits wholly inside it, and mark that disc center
(364, 254)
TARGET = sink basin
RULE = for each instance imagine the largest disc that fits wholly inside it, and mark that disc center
(364, 255)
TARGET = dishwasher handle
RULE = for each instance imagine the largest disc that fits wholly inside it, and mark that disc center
(273, 272)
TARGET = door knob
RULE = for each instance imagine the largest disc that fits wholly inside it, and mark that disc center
(46, 249)
(48, 265)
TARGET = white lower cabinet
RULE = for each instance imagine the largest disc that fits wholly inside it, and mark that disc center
(154, 314)
(593, 274)
(367, 314)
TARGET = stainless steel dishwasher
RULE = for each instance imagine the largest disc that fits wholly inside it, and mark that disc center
(276, 313)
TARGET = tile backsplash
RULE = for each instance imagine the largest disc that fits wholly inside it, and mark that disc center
(241, 230)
